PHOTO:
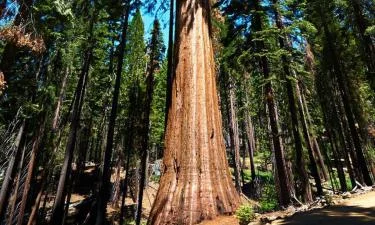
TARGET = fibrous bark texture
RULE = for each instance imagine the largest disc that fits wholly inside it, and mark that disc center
(196, 183)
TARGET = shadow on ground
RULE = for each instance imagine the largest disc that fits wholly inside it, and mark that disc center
(335, 215)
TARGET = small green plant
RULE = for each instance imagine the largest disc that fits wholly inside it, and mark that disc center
(132, 222)
(268, 201)
(245, 214)
(155, 178)
(129, 222)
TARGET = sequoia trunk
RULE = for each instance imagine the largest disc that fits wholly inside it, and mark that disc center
(234, 135)
(196, 182)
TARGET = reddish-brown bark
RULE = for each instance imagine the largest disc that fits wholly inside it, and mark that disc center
(196, 183)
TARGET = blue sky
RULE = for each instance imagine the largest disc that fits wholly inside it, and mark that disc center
(164, 21)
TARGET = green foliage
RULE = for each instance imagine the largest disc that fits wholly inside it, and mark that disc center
(370, 30)
(268, 201)
(132, 222)
(155, 178)
(136, 60)
(158, 107)
(245, 214)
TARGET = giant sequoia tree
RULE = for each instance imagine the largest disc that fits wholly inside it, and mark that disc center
(196, 183)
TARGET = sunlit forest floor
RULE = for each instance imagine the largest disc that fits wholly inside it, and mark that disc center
(359, 210)
(345, 209)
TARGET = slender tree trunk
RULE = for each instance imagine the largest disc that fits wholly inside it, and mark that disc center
(331, 173)
(310, 148)
(36, 148)
(315, 144)
(368, 48)
(58, 207)
(84, 143)
(347, 150)
(170, 60)
(234, 136)
(11, 171)
(196, 182)
(117, 183)
(251, 144)
(282, 175)
(340, 78)
(35, 207)
(16, 189)
(60, 100)
(339, 166)
(31, 168)
(332, 135)
(250, 134)
(295, 107)
(128, 145)
(146, 123)
(105, 183)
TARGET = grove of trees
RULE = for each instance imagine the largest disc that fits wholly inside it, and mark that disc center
(205, 104)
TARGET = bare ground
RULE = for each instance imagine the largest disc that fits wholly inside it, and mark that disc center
(359, 210)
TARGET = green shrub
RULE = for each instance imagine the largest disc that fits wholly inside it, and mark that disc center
(155, 178)
(245, 214)
(132, 222)
(268, 201)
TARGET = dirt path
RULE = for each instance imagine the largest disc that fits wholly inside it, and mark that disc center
(359, 210)
(356, 211)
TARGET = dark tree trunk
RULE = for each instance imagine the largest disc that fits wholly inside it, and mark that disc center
(339, 165)
(295, 107)
(128, 147)
(84, 143)
(56, 126)
(35, 208)
(170, 60)
(58, 207)
(250, 135)
(347, 150)
(341, 78)
(117, 183)
(105, 183)
(282, 175)
(16, 188)
(315, 144)
(59, 103)
(368, 48)
(234, 134)
(31, 168)
(11, 170)
(310, 145)
(251, 144)
(154, 64)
